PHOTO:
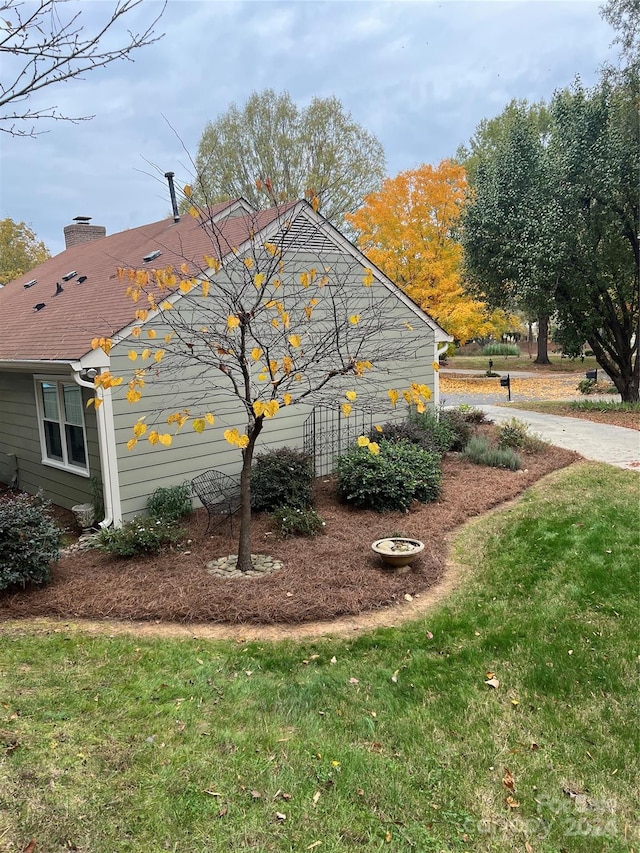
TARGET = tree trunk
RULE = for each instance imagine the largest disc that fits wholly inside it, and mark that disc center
(244, 540)
(543, 340)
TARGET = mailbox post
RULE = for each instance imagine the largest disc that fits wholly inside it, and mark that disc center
(505, 382)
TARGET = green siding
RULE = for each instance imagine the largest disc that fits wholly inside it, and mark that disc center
(19, 435)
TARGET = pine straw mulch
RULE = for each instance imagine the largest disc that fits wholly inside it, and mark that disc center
(326, 577)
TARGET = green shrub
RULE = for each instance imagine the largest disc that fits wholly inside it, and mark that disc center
(472, 415)
(460, 426)
(438, 433)
(391, 480)
(480, 452)
(514, 433)
(29, 540)
(170, 503)
(500, 349)
(139, 536)
(291, 521)
(282, 477)
(587, 386)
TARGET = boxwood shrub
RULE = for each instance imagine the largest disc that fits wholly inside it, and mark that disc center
(391, 480)
(282, 477)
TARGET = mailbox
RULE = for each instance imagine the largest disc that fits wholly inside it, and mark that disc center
(505, 381)
(592, 374)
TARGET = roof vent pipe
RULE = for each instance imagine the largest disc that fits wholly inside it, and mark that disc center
(172, 192)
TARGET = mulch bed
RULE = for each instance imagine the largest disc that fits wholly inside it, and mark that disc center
(334, 574)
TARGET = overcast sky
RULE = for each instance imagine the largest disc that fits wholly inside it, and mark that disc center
(419, 75)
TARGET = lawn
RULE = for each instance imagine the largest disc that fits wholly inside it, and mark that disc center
(602, 411)
(521, 362)
(504, 719)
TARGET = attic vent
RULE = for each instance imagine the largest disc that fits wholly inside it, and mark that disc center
(59, 289)
(39, 306)
(152, 256)
(69, 275)
(303, 235)
(81, 278)
(30, 283)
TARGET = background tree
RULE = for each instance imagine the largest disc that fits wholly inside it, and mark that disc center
(506, 227)
(272, 143)
(407, 229)
(20, 250)
(43, 45)
(252, 331)
(624, 17)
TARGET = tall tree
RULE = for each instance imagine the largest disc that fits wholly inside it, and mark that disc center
(624, 17)
(20, 250)
(271, 150)
(254, 327)
(43, 45)
(407, 229)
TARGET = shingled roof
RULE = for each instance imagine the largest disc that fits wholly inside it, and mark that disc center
(92, 302)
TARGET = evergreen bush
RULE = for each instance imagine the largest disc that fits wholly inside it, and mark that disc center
(480, 452)
(282, 477)
(138, 537)
(170, 503)
(289, 521)
(29, 540)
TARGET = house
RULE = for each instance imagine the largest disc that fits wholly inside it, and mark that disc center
(52, 438)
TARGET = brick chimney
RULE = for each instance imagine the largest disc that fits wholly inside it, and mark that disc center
(82, 232)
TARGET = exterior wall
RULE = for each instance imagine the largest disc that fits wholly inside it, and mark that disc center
(147, 467)
(19, 435)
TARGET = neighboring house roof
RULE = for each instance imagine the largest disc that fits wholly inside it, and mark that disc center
(93, 301)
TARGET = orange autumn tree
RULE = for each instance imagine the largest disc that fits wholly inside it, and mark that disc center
(247, 330)
(408, 231)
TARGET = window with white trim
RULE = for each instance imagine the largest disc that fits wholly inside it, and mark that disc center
(63, 436)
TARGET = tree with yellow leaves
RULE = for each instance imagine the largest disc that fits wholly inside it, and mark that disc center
(261, 326)
(408, 231)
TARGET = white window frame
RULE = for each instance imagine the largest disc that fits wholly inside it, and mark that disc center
(65, 464)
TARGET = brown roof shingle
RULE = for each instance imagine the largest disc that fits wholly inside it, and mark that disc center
(99, 307)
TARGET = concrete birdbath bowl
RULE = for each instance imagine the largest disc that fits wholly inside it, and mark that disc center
(398, 552)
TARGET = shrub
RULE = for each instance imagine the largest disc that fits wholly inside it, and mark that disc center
(438, 434)
(480, 452)
(282, 477)
(514, 433)
(290, 521)
(170, 503)
(391, 480)
(501, 349)
(139, 536)
(460, 427)
(403, 431)
(472, 415)
(587, 386)
(29, 540)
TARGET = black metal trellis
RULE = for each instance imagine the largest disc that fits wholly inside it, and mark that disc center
(327, 433)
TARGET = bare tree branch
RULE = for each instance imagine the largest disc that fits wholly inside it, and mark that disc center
(40, 48)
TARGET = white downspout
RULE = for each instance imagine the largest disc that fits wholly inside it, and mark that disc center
(108, 457)
(439, 350)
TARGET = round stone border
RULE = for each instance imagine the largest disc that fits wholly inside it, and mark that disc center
(225, 567)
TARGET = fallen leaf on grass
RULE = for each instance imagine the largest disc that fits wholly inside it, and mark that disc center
(316, 797)
(493, 682)
(213, 793)
(314, 844)
(429, 635)
(508, 781)
(31, 846)
(394, 677)
(281, 816)
(512, 803)
(353, 681)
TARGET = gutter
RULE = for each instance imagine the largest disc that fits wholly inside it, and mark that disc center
(107, 444)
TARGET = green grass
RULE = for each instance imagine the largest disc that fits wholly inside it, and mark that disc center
(523, 362)
(128, 744)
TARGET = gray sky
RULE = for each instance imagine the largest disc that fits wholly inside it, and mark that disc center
(419, 75)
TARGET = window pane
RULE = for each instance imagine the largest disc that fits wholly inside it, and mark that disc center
(75, 445)
(72, 404)
(53, 440)
(50, 400)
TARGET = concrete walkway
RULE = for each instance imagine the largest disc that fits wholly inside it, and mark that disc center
(599, 442)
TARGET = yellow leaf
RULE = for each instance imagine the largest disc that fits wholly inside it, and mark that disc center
(378, 428)
(141, 314)
(132, 443)
(167, 339)
(132, 354)
(409, 326)
(273, 366)
(374, 447)
(368, 277)
(145, 354)
(275, 323)
(287, 399)
(139, 429)
(256, 353)
(206, 284)
(258, 280)
(258, 408)
(351, 395)
(199, 424)
(158, 356)
(165, 439)
(166, 305)
(271, 248)
(232, 322)
(363, 441)
(153, 437)
(151, 333)
(346, 409)
(271, 409)
(193, 211)
(136, 331)
(187, 191)
(393, 396)
(354, 319)
(186, 285)
(248, 262)
(436, 366)
(295, 340)
(262, 377)
(304, 279)
(209, 419)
